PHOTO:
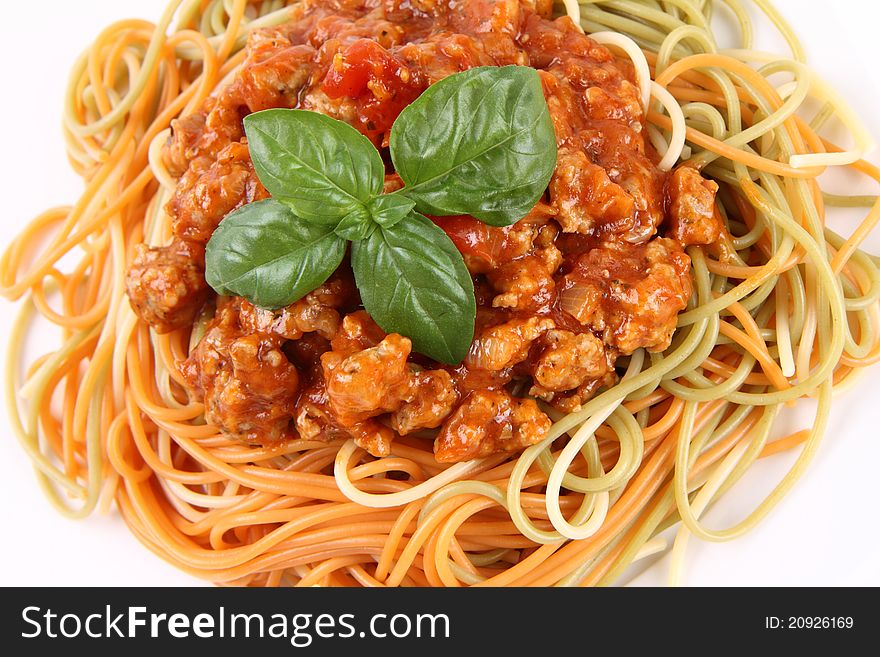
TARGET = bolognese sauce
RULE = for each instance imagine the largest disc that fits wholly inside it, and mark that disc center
(595, 271)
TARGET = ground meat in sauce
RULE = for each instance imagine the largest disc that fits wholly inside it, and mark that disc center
(629, 294)
(166, 284)
(212, 188)
(595, 271)
(247, 383)
(692, 215)
(490, 421)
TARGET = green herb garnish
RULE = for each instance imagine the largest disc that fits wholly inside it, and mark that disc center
(479, 142)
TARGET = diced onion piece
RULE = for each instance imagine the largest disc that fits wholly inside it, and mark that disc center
(490, 353)
(579, 301)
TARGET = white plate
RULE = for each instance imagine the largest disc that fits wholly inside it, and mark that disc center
(825, 532)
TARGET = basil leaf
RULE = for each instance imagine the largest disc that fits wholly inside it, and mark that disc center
(266, 254)
(413, 281)
(479, 142)
(322, 168)
(387, 210)
(356, 225)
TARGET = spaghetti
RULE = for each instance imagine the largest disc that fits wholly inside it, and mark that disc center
(790, 312)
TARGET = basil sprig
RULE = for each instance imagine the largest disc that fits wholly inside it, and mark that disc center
(412, 277)
(479, 142)
(265, 253)
(321, 168)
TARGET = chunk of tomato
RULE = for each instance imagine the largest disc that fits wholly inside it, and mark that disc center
(381, 84)
(474, 238)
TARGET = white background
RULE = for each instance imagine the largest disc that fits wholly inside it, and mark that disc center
(826, 532)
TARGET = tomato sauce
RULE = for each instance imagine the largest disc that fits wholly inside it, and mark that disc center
(597, 271)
